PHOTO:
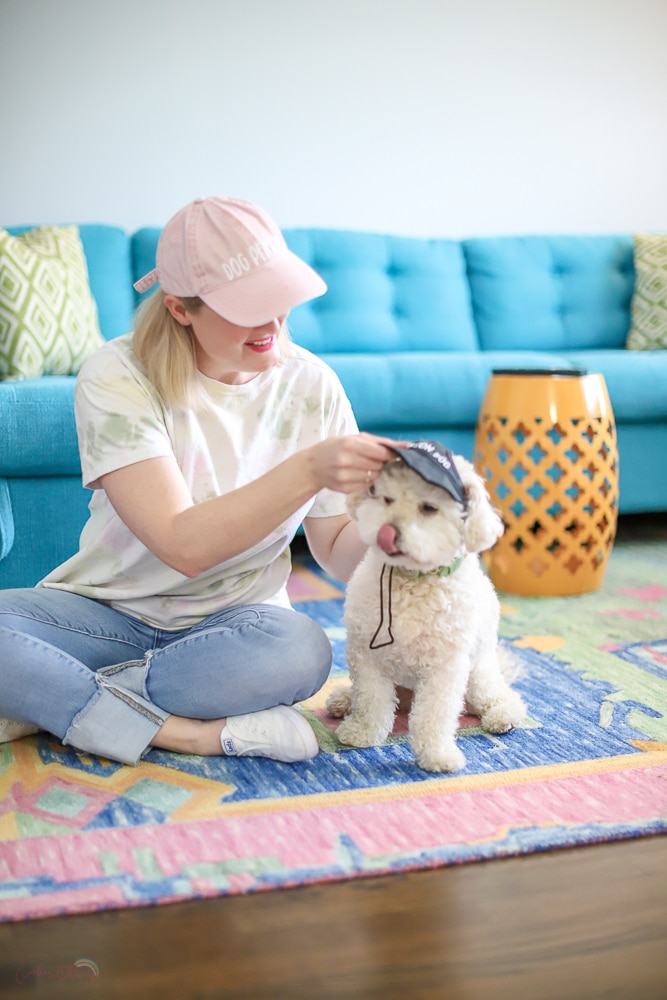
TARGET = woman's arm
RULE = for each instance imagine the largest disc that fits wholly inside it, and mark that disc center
(335, 544)
(153, 500)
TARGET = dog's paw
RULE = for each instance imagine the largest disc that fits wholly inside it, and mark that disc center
(339, 701)
(444, 759)
(504, 715)
(354, 734)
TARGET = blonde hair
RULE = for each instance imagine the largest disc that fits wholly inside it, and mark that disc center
(165, 349)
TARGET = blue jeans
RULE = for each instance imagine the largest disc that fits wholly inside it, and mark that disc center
(104, 682)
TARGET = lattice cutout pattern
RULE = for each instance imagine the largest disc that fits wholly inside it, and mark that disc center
(553, 474)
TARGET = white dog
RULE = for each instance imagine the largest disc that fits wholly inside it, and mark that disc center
(420, 612)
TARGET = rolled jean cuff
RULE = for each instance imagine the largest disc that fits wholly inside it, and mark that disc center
(115, 723)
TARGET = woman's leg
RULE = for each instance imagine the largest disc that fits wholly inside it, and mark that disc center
(240, 660)
(95, 678)
(53, 645)
(239, 669)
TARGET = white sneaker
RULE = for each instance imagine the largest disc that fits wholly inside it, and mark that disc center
(281, 733)
(10, 730)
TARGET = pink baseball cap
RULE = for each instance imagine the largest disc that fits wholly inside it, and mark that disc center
(232, 255)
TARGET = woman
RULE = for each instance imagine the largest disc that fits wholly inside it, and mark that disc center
(207, 438)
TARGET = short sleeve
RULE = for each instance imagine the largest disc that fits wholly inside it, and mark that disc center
(119, 419)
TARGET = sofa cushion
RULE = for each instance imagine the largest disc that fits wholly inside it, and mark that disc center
(38, 427)
(107, 249)
(649, 302)
(109, 266)
(48, 315)
(636, 382)
(401, 392)
(386, 293)
(554, 293)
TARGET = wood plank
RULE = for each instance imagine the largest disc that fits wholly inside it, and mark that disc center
(584, 923)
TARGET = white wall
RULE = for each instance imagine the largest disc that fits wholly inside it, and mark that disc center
(436, 117)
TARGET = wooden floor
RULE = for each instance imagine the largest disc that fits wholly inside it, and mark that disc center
(570, 925)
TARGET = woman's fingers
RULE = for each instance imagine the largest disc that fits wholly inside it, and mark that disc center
(351, 463)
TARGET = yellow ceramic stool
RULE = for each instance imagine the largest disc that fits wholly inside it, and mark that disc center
(546, 445)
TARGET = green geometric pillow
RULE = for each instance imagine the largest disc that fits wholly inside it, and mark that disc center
(649, 302)
(48, 316)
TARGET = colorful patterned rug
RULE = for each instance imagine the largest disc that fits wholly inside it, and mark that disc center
(79, 833)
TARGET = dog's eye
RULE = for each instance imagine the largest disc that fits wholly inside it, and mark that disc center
(428, 508)
(372, 492)
(388, 500)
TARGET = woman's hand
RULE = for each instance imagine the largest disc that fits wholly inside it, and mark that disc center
(348, 464)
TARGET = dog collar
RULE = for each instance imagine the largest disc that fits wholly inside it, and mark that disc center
(438, 571)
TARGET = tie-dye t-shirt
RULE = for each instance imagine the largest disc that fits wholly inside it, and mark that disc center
(245, 431)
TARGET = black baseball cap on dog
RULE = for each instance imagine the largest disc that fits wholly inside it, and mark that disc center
(434, 463)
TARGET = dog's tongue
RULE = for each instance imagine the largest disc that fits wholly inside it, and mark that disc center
(386, 539)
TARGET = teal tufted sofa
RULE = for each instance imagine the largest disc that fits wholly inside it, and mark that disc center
(412, 326)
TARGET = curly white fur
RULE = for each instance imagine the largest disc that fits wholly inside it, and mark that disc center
(413, 627)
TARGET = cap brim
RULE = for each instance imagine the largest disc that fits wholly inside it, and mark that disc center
(274, 291)
(445, 479)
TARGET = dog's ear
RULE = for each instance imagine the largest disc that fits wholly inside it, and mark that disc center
(482, 526)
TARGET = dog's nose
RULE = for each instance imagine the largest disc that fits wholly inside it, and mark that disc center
(387, 537)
